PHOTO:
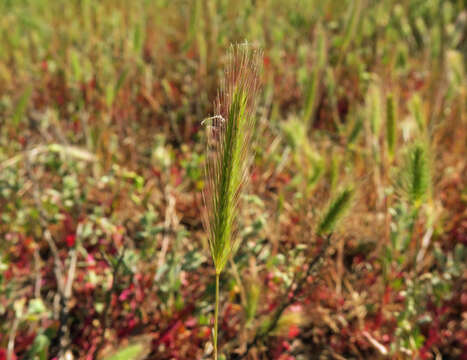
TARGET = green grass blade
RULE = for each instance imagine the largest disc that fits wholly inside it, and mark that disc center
(390, 124)
(21, 107)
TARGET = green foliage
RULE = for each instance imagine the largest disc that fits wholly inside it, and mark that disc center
(352, 23)
(40, 347)
(312, 83)
(134, 351)
(112, 90)
(21, 106)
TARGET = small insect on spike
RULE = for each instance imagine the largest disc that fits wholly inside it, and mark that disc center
(215, 120)
(214, 128)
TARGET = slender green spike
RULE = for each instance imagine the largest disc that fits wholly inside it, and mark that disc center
(416, 174)
(374, 108)
(229, 138)
(335, 211)
(311, 93)
(416, 108)
(22, 105)
(390, 124)
(356, 129)
(229, 134)
(352, 23)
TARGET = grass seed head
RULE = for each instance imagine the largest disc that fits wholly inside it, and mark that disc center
(229, 134)
(416, 174)
(335, 211)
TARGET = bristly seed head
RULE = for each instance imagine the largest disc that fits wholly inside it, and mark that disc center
(229, 134)
(415, 175)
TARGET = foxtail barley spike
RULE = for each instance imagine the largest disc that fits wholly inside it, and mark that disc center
(229, 134)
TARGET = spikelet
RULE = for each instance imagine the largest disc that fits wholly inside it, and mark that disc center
(374, 108)
(416, 175)
(311, 91)
(355, 132)
(335, 211)
(229, 134)
(417, 111)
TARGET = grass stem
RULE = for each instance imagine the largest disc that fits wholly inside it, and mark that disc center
(216, 316)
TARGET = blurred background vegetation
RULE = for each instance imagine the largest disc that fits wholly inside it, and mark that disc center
(102, 251)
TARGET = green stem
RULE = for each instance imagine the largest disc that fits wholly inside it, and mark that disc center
(417, 242)
(216, 316)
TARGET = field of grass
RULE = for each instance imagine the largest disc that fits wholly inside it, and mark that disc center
(352, 226)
